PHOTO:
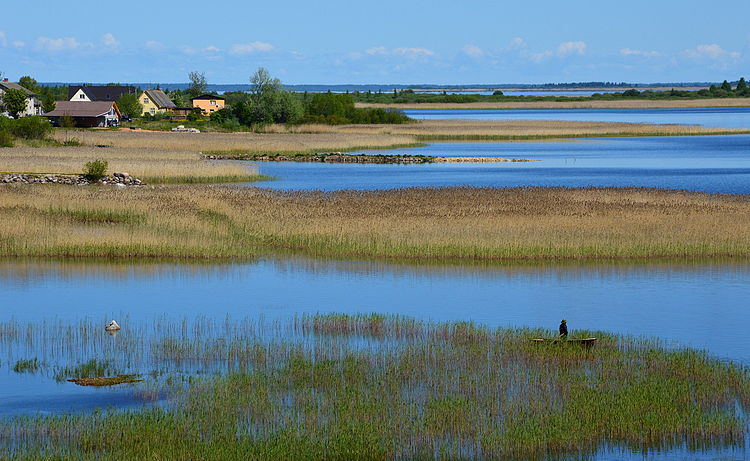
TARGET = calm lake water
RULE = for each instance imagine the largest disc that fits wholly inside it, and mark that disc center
(702, 304)
(701, 163)
(726, 117)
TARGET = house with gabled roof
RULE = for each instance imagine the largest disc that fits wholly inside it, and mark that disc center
(87, 114)
(208, 103)
(156, 102)
(33, 105)
(86, 93)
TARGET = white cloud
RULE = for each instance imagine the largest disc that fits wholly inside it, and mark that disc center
(645, 54)
(19, 44)
(249, 48)
(3, 39)
(192, 51)
(377, 50)
(568, 48)
(109, 40)
(539, 57)
(473, 51)
(413, 52)
(711, 52)
(55, 45)
(154, 45)
(516, 43)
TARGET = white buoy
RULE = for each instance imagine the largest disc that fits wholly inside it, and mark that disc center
(112, 326)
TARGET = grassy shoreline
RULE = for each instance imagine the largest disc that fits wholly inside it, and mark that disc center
(447, 224)
(378, 387)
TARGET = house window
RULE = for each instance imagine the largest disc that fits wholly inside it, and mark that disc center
(145, 100)
(81, 96)
(152, 110)
(212, 110)
(213, 103)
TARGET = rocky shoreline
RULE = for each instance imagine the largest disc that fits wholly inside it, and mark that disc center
(337, 157)
(117, 179)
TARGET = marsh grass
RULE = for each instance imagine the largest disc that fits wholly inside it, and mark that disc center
(26, 366)
(382, 387)
(154, 166)
(448, 224)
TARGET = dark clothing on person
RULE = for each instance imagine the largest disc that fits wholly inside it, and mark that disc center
(564, 329)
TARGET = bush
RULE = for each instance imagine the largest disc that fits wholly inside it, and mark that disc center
(31, 127)
(6, 139)
(96, 170)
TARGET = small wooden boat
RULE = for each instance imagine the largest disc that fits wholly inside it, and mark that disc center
(587, 342)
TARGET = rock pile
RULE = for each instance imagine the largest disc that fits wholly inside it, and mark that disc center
(123, 179)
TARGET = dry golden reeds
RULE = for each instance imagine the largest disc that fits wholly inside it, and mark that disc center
(468, 224)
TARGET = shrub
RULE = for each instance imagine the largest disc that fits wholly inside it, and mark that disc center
(96, 170)
(6, 139)
(31, 127)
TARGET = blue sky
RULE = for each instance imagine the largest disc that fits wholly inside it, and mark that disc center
(383, 42)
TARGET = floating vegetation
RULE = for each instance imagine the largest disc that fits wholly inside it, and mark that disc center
(26, 366)
(106, 381)
(379, 387)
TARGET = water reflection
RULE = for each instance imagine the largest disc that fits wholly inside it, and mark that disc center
(701, 304)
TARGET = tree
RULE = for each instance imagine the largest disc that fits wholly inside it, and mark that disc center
(130, 105)
(742, 85)
(14, 101)
(726, 86)
(270, 103)
(48, 103)
(198, 84)
(30, 84)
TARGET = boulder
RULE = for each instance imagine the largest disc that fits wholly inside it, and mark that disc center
(112, 326)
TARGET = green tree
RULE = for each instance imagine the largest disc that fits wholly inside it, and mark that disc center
(742, 85)
(48, 103)
(270, 103)
(14, 101)
(198, 84)
(726, 86)
(30, 84)
(130, 105)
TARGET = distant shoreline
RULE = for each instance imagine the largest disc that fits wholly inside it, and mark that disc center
(592, 104)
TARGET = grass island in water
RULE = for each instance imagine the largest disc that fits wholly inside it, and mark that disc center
(375, 387)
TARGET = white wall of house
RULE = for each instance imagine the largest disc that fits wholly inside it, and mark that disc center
(33, 106)
(80, 96)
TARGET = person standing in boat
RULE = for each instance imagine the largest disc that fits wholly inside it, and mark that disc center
(564, 329)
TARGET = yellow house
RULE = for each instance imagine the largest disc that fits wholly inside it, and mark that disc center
(155, 102)
(208, 103)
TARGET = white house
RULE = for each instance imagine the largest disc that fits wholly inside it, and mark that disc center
(33, 105)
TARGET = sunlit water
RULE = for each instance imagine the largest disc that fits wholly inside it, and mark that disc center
(724, 117)
(701, 163)
(702, 305)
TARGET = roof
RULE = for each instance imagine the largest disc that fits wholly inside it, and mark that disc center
(15, 86)
(160, 98)
(208, 96)
(82, 108)
(102, 93)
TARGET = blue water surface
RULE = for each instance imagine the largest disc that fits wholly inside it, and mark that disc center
(717, 164)
(724, 117)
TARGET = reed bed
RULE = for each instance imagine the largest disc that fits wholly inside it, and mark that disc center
(513, 130)
(593, 104)
(255, 142)
(375, 387)
(447, 224)
(153, 165)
